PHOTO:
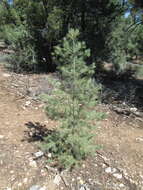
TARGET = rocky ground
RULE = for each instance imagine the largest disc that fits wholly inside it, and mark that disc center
(118, 165)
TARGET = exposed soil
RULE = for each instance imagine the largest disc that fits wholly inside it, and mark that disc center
(121, 138)
(16, 167)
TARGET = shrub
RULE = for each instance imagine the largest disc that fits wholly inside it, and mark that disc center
(19, 39)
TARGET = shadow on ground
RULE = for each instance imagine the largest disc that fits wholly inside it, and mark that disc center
(122, 90)
(36, 132)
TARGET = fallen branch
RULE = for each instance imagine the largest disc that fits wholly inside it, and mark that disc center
(127, 111)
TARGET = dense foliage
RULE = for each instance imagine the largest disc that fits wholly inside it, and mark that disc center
(32, 29)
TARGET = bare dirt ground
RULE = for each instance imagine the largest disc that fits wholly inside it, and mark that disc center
(17, 168)
(118, 165)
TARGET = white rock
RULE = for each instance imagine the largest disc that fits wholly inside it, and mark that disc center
(81, 181)
(73, 179)
(114, 170)
(38, 154)
(23, 107)
(8, 188)
(1, 136)
(103, 165)
(118, 176)
(141, 176)
(35, 187)
(83, 165)
(25, 180)
(43, 188)
(27, 103)
(33, 163)
(6, 75)
(108, 170)
(84, 187)
(49, 155)
(139, 139)
(19, 184)
(121, 185)
(133, 109)
(57, 179)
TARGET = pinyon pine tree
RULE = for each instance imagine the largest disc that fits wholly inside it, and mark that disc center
(73, 104)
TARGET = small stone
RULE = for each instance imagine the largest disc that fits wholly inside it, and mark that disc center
(121, 185)
(8, 188)
(81, 182)
(139, 139)
(1, 162)
(133, 109)
(84, 187)
(32, 163)
(73, 179)
(1, 136)
(125, 173)
(43, 188)
(38, 154)
(20, 184)
(25, 180)
(83, 165)
(108, 170)
(114, 170)
(27, 103)
(49, 155)
(23, 107)
(57, 179)
(35, 187)
(141, 176)
(12, 178)
(118, 176)
(103, 165)
(6, 75)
